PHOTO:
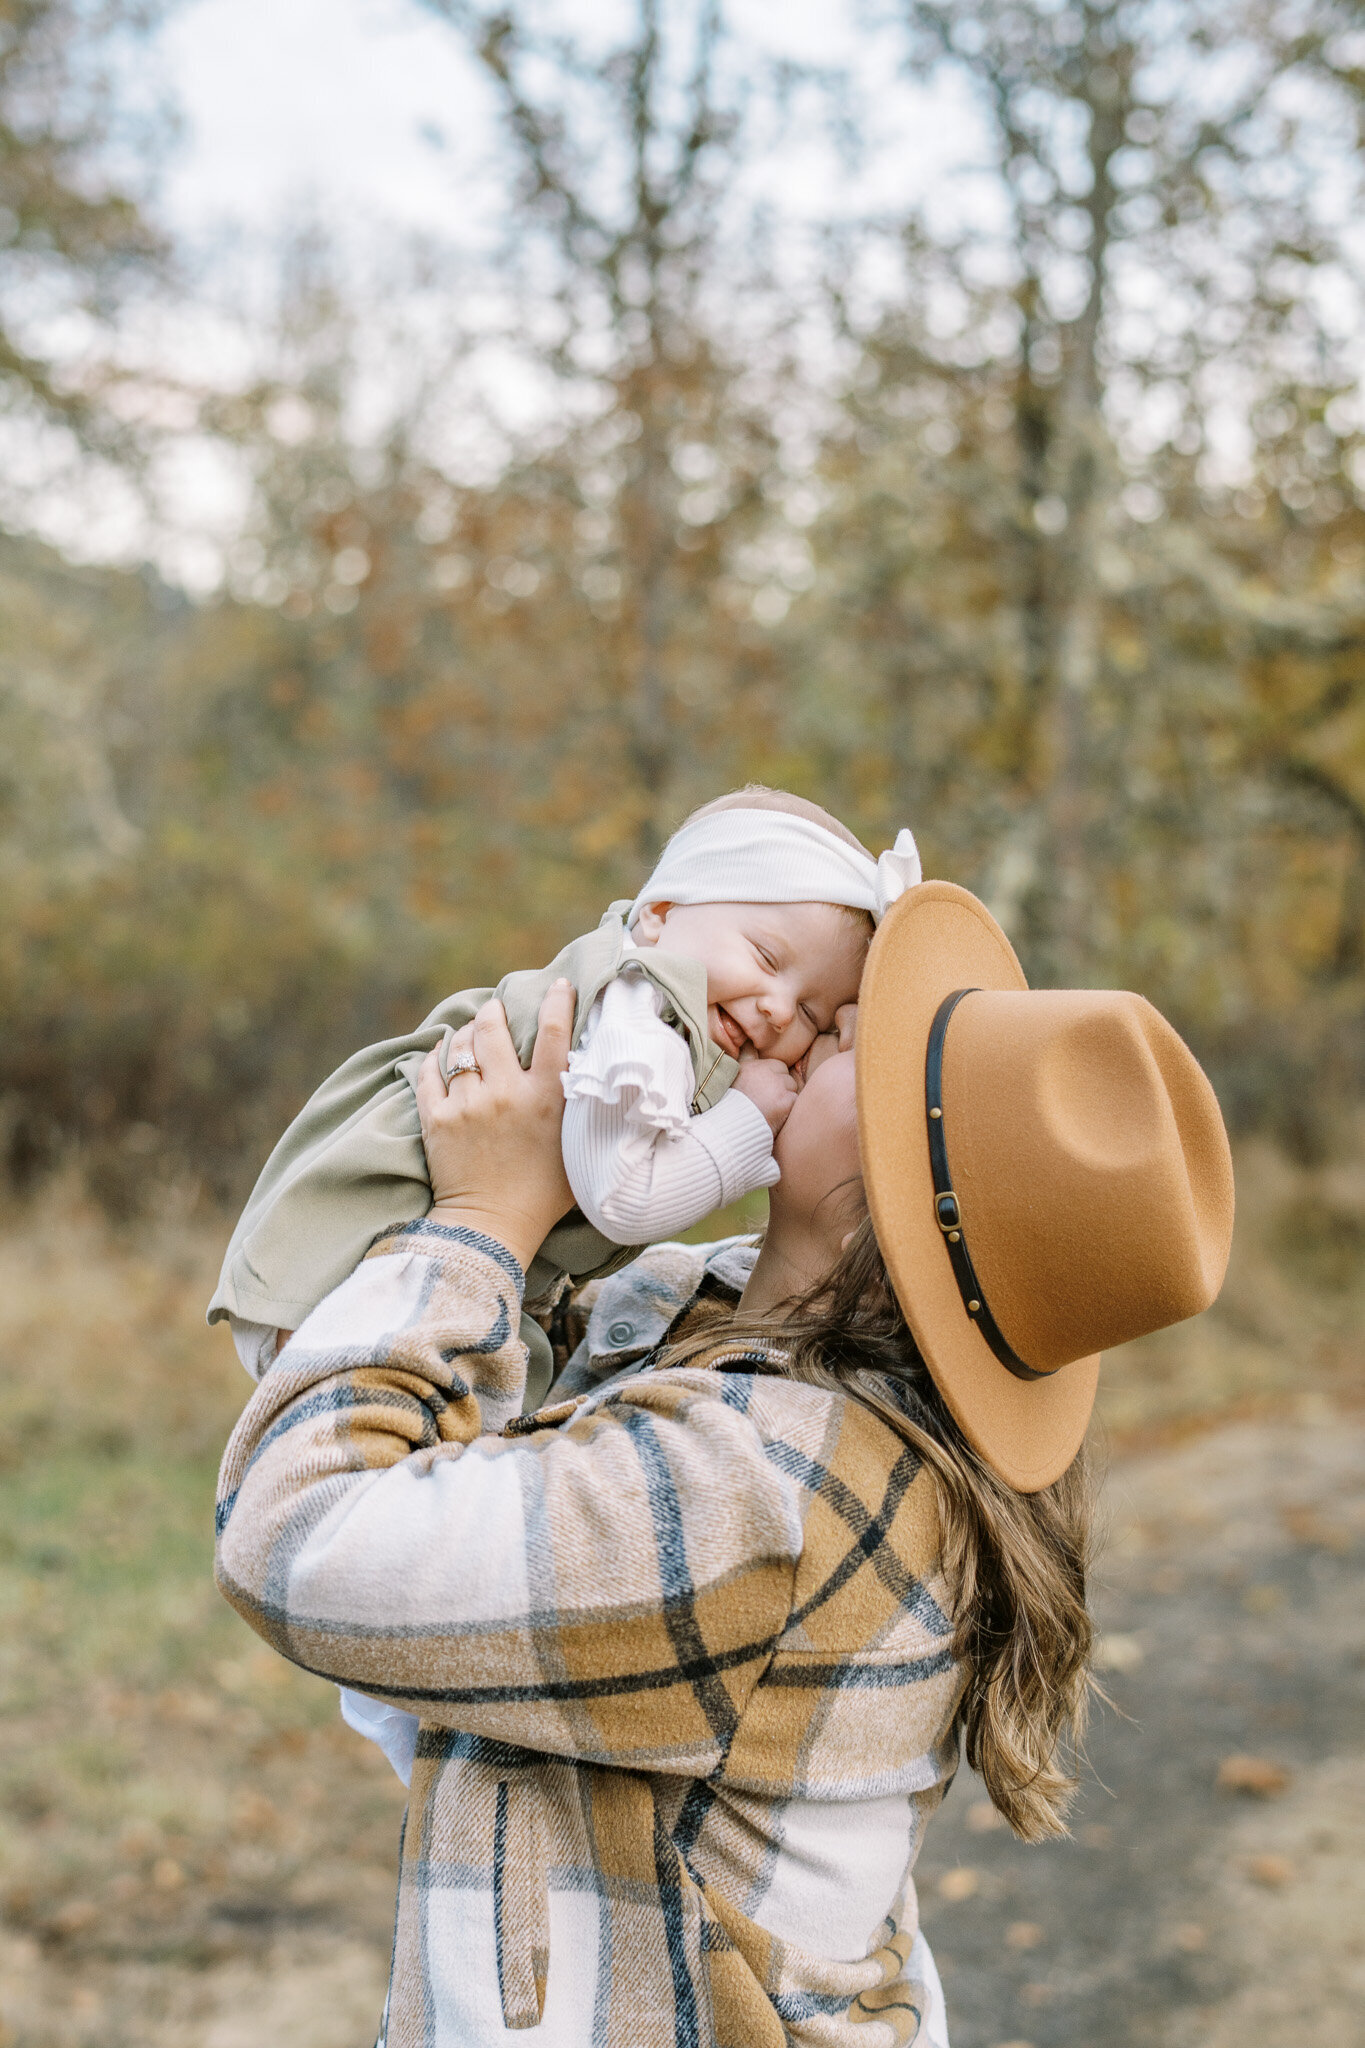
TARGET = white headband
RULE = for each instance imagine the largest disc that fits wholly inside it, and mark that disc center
(753, 856)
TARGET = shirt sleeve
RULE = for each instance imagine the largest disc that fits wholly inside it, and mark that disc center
(640, 1166)
(576, 1590)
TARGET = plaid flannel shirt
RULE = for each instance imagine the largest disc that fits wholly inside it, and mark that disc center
(679, 1649)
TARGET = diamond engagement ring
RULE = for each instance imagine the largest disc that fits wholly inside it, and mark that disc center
(451, 1062)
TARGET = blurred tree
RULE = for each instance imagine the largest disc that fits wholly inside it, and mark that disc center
(73, 239)
(72, 227)
(1093, 518)
(1076, 568)
(623, 231)
(465, 639)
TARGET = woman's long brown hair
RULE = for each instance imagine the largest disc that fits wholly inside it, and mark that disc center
(1016, 1562)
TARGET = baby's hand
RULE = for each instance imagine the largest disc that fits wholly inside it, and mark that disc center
(771, 1087)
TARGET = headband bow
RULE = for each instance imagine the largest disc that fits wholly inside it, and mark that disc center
(758, 856)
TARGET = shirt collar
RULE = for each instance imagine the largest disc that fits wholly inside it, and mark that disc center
(637, 1307)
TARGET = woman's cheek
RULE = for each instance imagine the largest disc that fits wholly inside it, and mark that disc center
(822, 1047)
(817, 1147)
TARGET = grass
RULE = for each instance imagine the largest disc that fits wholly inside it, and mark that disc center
(187, 1833)
(194, 1853)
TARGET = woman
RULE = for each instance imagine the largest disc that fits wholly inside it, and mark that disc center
(693, 1653)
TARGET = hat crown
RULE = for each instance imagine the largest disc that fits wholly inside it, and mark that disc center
(1088, 1156)
(1091, 1165)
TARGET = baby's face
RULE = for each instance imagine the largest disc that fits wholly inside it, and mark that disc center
(775, 972)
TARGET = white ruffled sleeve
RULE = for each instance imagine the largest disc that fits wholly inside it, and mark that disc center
(630, 1058)
(640, 1165)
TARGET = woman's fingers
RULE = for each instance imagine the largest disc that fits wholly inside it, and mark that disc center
(488, 1039)
(492, 1138)
(457, 1043)
(431, 1089)
(430, 1086)
(554, 1030)
(493, 1047)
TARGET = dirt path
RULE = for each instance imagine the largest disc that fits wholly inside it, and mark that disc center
(1189, 1913)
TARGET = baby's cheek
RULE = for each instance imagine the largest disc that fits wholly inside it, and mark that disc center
(797, 1040)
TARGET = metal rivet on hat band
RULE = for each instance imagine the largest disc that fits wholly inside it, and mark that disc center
(947, 1208)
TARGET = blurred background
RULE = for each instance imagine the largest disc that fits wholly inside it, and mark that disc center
(439, 445)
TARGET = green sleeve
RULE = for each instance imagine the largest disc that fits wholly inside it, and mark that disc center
(349, 1165)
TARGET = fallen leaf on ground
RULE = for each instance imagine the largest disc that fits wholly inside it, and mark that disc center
(1270, 1870)
(963, 1883)
(1253, 1774)
(1023, 1934)
(139, 1838)
(1118, 1653)
(255, 1815)
(983, 1817)
(74, 1918)
(1308, 1527)
(1191, 1937)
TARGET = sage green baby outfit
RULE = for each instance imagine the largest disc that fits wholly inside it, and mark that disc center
(352, 1164)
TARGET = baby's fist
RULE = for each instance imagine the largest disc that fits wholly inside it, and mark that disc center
(771, 1087)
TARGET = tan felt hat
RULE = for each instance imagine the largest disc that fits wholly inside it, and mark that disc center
(1074, 1189)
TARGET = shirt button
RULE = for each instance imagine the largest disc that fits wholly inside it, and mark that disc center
(620, 1333)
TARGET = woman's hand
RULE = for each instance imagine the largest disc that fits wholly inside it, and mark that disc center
(492, 1137)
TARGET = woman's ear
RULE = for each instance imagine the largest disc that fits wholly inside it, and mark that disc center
(648, 927)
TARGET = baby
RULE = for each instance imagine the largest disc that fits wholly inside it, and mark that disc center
(694, 1004)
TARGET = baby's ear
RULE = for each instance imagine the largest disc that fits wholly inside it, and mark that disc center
(648, 927)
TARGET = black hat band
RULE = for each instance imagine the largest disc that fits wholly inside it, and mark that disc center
(947, 1209)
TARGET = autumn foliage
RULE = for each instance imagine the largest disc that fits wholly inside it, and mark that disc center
(1053, 547)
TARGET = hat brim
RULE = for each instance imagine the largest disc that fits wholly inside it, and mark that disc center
(934, 939)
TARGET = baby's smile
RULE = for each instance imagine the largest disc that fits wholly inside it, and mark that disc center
(728, 1034)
